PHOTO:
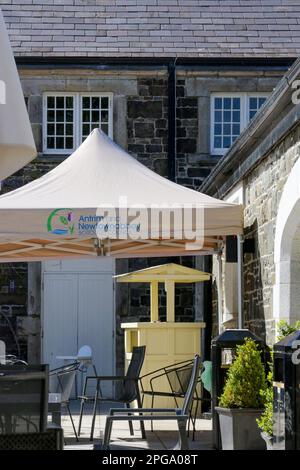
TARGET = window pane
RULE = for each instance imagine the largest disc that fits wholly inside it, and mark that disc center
(95, 116)
(60, 102)
(69, 116)
(60, 116)
(69, 143)
(104, 102)
(95, 102)
(59, 123)
(255, 102)
(218, 103)
(92, 115)
(226, 129)
(86, 129)
(218, 116)
(86, 102)
(226, 116)
(261, 101)
(227, 121)
(236, 129)
(86, 116)
(236, 103)
(59, 143)
(218, 129)
(104, 116)
(218, 142)
(227, 103)
(226, 142)
(236, 116)
(50, 102)
(50, 129)
(69, 102)
(104, 128)
(50, 116)
(69, 129)
(50, 142)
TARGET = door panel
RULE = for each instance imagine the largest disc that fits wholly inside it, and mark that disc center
(96, 320)
(60, 326)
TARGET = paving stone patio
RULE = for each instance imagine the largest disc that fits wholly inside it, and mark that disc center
(164, 436)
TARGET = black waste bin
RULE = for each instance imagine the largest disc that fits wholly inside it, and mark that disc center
(223, 353)
(286, 387)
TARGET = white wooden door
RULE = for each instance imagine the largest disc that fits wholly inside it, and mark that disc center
(78, 309)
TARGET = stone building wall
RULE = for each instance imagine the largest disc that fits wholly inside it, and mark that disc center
(263, 189)
(262, 192)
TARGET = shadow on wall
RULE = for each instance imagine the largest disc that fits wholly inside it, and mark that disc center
(256, 291)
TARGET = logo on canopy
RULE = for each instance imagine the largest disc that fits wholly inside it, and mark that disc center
(60, 222)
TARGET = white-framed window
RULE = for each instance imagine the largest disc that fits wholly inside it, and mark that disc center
(68, 118)
(230, 114)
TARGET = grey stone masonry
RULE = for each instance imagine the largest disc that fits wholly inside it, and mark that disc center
(154, 28)
(263, 188)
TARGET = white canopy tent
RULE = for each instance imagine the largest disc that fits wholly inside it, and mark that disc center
(17, 146)
(87, 206)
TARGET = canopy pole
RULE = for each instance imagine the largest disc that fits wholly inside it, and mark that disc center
(154, 301)
(170, 290)
(240, 281)
(220, 297)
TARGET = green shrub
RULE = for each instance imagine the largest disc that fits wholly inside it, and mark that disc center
(284, 329)
(246, 379)
(265, 422)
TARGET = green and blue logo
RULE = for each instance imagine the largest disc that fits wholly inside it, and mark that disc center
(60, 222)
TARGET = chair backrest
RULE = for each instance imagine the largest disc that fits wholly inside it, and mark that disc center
(133, 373)
(188, 399)
(23, 398)
(2, 352)
(179, 377)
(62, 381)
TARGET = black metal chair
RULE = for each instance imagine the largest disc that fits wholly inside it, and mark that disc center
(23, 398)
(177, 378)
(128, 390)
(61, 381)
(24, 409)
(181, 415)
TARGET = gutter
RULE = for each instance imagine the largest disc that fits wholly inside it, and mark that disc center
(268, 117)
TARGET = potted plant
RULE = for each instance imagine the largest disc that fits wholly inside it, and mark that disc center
(242, 400)
(265, 421)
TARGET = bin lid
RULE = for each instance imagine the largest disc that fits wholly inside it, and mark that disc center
(231, 337)
(287, 343)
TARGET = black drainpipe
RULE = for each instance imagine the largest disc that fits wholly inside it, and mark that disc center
(172, 120)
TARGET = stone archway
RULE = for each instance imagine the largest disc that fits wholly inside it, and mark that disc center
(286, 291)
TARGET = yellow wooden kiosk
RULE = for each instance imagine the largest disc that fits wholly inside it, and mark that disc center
(166, 342)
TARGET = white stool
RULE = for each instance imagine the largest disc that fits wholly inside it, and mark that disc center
(85, 358)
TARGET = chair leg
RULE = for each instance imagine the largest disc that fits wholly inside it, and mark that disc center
(80, 415)
(107, 433)
(194, 421)
(129, 421)
(152, 406)
(183, 443)
(142, 426)
(73, 425)
(94, 414)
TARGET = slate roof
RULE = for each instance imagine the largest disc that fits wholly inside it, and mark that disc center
(154, 28)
